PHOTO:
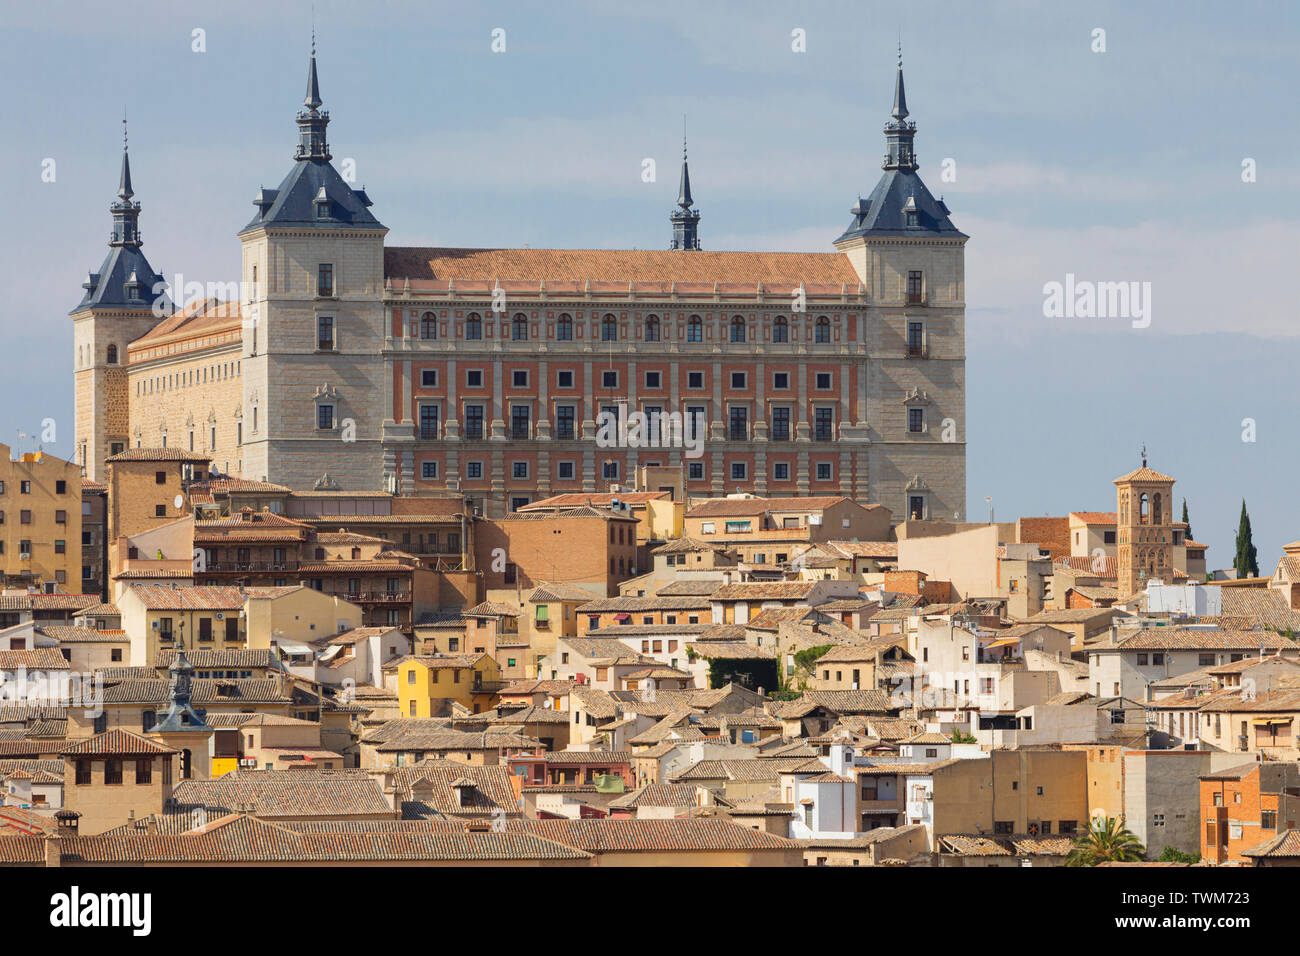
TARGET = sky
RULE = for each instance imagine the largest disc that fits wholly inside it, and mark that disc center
(1169, 157)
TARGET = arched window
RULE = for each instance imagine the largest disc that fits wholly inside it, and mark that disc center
(112, 355)
(695, 329)
(738, 329)
(428, 326)
(1144, 510)
(780, 329)
(652, 329)
(520, 333)
(823, 333)
(609, 329)
(1156, 510)
(474, 326)
(564, 328)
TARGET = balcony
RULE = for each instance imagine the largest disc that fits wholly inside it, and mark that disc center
(915, 298)
(880, 806)
(915, 351)
(243, 567)
(429, 433)
(519, 432)
(377, 597)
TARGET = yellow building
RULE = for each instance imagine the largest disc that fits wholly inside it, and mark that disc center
(40, 522)
(426, 684)
(157, 617)
(296, 613)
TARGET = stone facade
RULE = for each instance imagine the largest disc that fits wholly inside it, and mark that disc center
(483, 373)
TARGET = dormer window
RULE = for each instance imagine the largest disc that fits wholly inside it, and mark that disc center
(322, 204)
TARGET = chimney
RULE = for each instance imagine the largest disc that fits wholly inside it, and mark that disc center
(54, 849)
(726, 578)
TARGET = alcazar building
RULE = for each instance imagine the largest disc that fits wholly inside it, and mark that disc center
(354, 365)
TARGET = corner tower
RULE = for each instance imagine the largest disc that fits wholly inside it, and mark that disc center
(911, 259)
(314, 327)
(685, 220)
(122, 301)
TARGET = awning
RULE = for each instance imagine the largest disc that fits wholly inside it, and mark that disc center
(1004, 641)
(290, 648)
(622, 617)
(1267, 721)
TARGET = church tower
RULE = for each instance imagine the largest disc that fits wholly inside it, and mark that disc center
(122, 301)
(314, 325)
(1145, 526)
(911, 261)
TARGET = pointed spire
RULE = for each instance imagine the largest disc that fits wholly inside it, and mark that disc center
(900, 96)
(312, 120)
(684, 190)
(685, 220)
(124, 191)
(313, 100)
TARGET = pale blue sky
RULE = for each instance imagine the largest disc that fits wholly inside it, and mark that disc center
(1123, 165)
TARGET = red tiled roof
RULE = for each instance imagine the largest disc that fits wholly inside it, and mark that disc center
(786, 269)
(116, 742)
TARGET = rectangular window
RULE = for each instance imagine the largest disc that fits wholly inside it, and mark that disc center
(564, 380)
(474, 422)
(914, 288)
(519, 469)
(520, 420)
(325, 333)
(737, 380)
(474, 378)
(739, 417)
(144, 770)
(429, 469)
(609, 379)
(695, 470)
(824, 472)
(694, 379)
(739, 471)
(112, 771)
(823, 423)
(823, 381)
(916, 420)
(324, 416)
(781, 380)
(429, 378)
(652, 380)
(610, 470)
(780, 424)
(564, 421)
(474, 469)
(428, 422)
(519, 378)
(781, 471)
(325, 279)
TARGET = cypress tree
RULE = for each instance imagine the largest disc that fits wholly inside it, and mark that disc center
(1245, 563)
(1189, 536)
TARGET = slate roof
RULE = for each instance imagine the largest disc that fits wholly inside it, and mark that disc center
(292, 203)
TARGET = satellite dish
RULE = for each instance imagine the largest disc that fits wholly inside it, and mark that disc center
(179, 502)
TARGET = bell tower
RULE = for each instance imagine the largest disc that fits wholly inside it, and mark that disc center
(1145, 528)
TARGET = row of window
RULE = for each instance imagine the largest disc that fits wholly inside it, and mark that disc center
(610, 332)
(216, 372)
(25, 488)
(693, 425)
(566, 470)
(609, 378)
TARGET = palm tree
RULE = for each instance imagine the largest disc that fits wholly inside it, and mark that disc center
(1107, 841)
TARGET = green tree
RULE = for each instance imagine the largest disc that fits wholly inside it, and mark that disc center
(1106, 841)
(1245, 563)
(1174, 855)
(1189, 535)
